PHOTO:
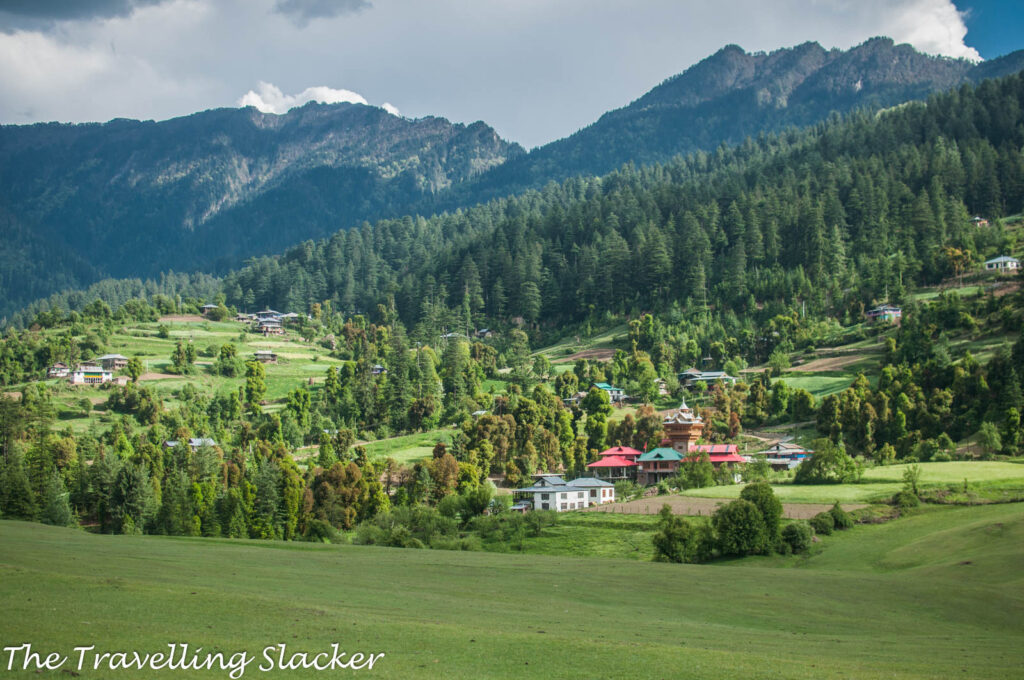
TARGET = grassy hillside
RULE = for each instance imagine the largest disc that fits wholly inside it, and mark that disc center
(934, 595)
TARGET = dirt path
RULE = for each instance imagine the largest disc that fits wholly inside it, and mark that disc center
(829, 363)
(686, 505)
(183, 317)
(598, 354)
(157, 376)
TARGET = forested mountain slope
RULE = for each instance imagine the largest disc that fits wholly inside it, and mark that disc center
(733, 94)
(836, 216)
(79, 203)
(134, 198)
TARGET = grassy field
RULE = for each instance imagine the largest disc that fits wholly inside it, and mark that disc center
(880, 483)
(951, 473)
(807, 493)
(935, 595)
(409, 448)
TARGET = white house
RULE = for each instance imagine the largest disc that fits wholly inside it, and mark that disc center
(90, 375)
(1002, 263)
(551, 492)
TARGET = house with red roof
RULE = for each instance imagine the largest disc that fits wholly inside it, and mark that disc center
(618, 462)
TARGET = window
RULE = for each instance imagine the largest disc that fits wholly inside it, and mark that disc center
(544, 496)
(544, 506)
(579, 495)
(593, 493)
(563, 506)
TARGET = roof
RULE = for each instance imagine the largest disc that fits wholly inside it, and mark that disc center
(714, 448)
(720, 458)
(621, 451)
(263, 351)
(661, 453)
(208, 307)
(1002, 258)
(612, 462)
(784, 447)
(195, 442)
(588, 482)
(884, 309)
(574, 485)
(112, 356)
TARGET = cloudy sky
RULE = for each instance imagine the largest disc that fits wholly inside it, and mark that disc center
(536, 70)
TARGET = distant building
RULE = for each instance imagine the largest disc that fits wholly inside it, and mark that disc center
(265, 356)
(979, 221)
(206, 309)
(269, 326)
(194, 443)
(113, 362)
(88, 374)
(785, 456)
(378, 370)
(57, 370)
(884, 314)
(657, 465)
(691, 376)
(718, 454)
(551, 492)
(484, 333)
(268, 314)
(615, 394)
(616, 463)
(1002, 263)
(682, 428)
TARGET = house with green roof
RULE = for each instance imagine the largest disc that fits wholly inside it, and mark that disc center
(615, 394)
(657, 464)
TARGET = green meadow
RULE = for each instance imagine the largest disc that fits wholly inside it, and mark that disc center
(881, 483)
(936, 595)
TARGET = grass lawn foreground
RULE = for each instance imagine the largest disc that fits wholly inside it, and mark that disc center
(935, 595)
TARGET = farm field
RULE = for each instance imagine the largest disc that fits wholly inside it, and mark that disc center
(943, 588)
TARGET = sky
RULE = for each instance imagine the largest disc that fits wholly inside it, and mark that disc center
(536, 70)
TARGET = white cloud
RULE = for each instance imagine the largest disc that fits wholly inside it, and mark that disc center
(932, 26)
(270, 99)
(390, 108)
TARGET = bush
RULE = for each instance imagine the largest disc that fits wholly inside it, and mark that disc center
(674, 541)
(762, 495)
(905, 500)
(840, 517)
(740, 529)
(830, 464)
(320, 531)
(823, 524)
(797, 535)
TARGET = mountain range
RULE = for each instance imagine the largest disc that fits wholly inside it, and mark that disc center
(204, 192)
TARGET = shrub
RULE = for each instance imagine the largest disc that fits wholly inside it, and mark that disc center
(319, 530)
(740, 529)
(797, 535)
(675, 540)
(830, 464)
(762, 495)
(906, 499)
(840, 517)
(823, 523)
